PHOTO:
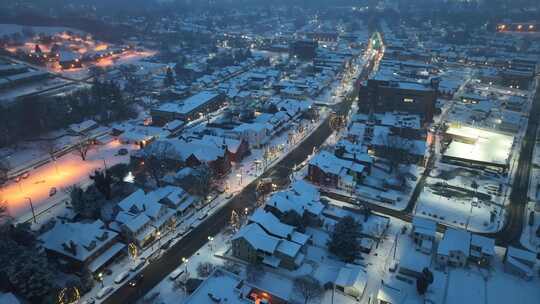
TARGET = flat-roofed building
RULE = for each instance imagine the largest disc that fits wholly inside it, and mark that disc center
(188, 109)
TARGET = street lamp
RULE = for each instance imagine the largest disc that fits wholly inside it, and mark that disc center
(185, 261)
(239, 175)
(32, 208)
(210, 239)
(100, 278)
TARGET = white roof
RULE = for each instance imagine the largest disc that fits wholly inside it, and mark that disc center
(455, 240)
(88, 238)
(489, 147)
(424, 226)
(83, 126)
(330, 163)
(352, 275)
(288, 248)
(258, 238)
(189, 104)
(487, 244)
(271, 223)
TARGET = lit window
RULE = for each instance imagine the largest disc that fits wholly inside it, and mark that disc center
(408, 100)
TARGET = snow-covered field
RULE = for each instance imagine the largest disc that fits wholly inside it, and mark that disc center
(461, 212)
(67, 170)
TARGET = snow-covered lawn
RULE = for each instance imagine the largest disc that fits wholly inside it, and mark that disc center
(67, 170)
(461, 212)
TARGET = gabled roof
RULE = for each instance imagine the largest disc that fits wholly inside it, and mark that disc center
(271, 224)
(88, 238)
(258, 238)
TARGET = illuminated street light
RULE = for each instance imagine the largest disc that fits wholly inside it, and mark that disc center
(100, 278)
(185, 261)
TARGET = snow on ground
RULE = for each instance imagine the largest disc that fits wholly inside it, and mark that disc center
(495, 286)
(458, 209)
(67, 170)
(236, 184)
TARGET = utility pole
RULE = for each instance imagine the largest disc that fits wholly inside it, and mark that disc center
(32, 208)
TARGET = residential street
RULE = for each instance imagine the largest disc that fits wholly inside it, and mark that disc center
(156, 271)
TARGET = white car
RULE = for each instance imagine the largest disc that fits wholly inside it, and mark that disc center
(104, 292)
(121, 277)
(137, 265)
(175, 274)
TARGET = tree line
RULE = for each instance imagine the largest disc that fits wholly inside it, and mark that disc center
(33, 116)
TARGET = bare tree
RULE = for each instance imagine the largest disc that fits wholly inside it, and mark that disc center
(83, 147)
(395, 149)
(155, 162)
(50, 147)
(308, 287)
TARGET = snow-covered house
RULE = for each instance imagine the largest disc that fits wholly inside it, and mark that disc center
(140, 216)
(236, 148)
(482, 249)
(454, 248)
(351, 280)
(253, 245)
(82, 245)
(256, 134)
(303, 204)
(424, 232)
(520, 262)
(329, 170)
(83, 127)
(271, 225)
(191, 153)
(388, 294)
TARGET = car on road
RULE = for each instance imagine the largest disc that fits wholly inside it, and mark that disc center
(176, 273)
(123, 151)
(229, 196)
(25, 175)
(121, 277)
(136, 280)
(104, 292)
(52, 191)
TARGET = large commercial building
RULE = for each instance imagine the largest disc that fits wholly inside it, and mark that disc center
(400, 96)
(304, 49)
(188, 109)
(477, 147)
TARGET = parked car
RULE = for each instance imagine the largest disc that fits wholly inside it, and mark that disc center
(89, 301)
(166, 245)
(155, 256)
(104, 292)
(176, 273)
(121, 277)
(123, 151)
(202, 216)
(52, 191)
(137, 265)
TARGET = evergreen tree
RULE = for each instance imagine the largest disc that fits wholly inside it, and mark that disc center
(169, 78)
(344, 241)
